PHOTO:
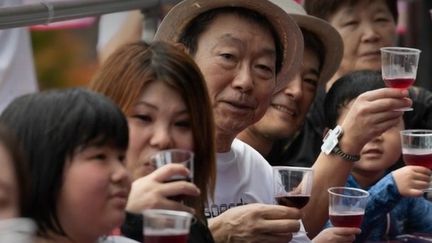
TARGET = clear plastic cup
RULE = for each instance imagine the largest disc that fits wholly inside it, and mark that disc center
(166, 226)
(180, 156)
(347, 206)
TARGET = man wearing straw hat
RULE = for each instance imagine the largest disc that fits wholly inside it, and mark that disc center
(323, 49)
(240, 46)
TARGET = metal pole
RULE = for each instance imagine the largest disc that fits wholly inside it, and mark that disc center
(46, 12)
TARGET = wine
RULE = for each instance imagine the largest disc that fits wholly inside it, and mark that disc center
(165, 238)
(347, 219)
(420, 159)
(297, 201)
(178, 178)
(399, 83)
(178, 198)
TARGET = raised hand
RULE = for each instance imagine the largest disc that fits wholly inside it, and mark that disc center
(151, 192)
(371, 114)
(412, 180)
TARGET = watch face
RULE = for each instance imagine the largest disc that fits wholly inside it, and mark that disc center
(331, 139)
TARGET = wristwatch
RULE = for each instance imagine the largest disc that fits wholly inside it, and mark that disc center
(330, 144)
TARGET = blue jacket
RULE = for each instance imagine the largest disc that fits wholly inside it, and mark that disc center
(388, 214)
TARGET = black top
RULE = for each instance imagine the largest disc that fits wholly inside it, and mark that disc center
(304, 148)
(133, 229)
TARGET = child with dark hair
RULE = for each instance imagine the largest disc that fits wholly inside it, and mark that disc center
(75, 141)
(396, 205)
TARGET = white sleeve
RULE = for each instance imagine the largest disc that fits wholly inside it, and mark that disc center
(109, 25)
(301, 236)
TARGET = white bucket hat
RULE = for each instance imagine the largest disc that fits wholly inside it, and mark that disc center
(328, 35)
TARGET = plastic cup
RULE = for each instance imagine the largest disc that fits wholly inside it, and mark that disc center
(347, 206)
(179, 156)
(417, 148)
(292, 185)
(399, 67)
(166, 226)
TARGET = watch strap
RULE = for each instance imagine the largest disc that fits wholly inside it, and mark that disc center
(338, 151)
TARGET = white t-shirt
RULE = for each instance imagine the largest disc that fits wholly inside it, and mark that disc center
(243, 177)
(17, 72)
(17, 230)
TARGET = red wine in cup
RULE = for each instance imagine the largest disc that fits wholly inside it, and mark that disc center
(424, 160)
(166, 238)
(178, 198)
(347, 219)
(297, 201)
(399, 83)
(178, 178)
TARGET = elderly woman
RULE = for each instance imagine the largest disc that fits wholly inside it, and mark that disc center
(365, 27)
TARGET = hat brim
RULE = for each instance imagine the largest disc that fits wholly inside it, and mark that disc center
(178, 18)
(331, 40)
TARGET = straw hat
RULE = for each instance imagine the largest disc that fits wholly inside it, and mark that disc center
(329, 36)
(178, 18)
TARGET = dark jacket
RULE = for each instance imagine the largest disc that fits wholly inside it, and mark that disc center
(133, 228)
(304, 148)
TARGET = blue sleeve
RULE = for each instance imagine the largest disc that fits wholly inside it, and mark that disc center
(419, 218)
(384, 196)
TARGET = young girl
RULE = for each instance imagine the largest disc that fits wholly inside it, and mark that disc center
(164, 97)
(75, 142)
